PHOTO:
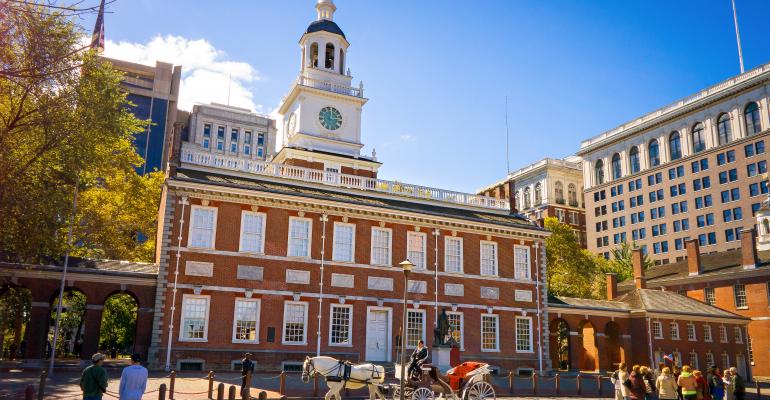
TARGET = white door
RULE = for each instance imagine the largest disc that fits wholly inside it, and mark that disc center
(377, 336)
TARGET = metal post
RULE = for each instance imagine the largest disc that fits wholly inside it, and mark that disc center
(171, 385)
(211, 384)
(29, 393)
(324, 219)
(315, 384)
(599, 385)
(221, 391)
(282, 383)
(173, 291)
(231, 393)
(162, 392)
(436, 233)
(556, 382)
(510, 382)
(403, 336)
(41, 386)
(64, 276)
(577, 383)
(247, 389)
(738, 36)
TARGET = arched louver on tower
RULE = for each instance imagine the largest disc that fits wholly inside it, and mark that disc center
(634, 160)
(599, 172)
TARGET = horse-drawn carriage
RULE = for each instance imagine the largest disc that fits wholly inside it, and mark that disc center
(467, 381)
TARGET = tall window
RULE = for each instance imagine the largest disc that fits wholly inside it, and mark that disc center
(523, 334)
(344, 242)
(751, 114)
(739, 291)
(341, 328)
(234, 141)
(722, 334)
(381, 240)
(488, 258)
(527, 198)
(538, 194)
(294, 322)
(738, 333)
(709, 359)
(654, 150)
(299, 237)
(691, 331)
(694, 359)
(723, 129)
(314, 55)
(415, 327)
(195, 316)
(221, 138)
(521, 262)
(455, 320)
(252, 232)
(572, 193)
(599, 172)
(246, 324)
(415, 248)
(203, 227)
(657, 330)
(707, 333)
(616, 171)
(725, 360)
(674, 330)
(329, 59)
(634, 158)
(675, 145)
(489, 333)
(453, 254)
(698, 139)
(710, 296)
(558, 189)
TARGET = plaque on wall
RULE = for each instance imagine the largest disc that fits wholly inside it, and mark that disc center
(196, 268)
(343, 280)
(297, 276)
(250, 273)
(523, 295)
(454, 289)
(492, 293)
(377, 283)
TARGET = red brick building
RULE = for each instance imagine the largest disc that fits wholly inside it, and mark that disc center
(737, 281)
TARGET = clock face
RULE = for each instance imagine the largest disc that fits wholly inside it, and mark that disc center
(292, 124)
(330, 118)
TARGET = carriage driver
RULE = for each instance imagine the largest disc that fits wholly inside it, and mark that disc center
(419, 355)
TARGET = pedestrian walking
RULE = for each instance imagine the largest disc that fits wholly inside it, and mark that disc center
(666, 385)
(133, 380)
(649, 382)
(93, 380)
(618, 378)
(716, 385)
(247, 367)
(702, 386)
(687, 382)
(636, 389)
(728, 381)
(739, 384)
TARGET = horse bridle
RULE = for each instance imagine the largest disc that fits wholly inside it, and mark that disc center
(306, 373)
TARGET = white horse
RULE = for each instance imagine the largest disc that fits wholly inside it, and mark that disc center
(361, 375)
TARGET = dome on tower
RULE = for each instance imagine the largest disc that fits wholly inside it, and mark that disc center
(326, 26)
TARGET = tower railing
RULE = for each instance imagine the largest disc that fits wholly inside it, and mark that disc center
(331, 86)
(302, 174)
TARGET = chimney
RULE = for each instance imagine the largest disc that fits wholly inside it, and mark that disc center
(612, 286)
(512, 196)
(640, 282)
(748, 249)
(693, 256)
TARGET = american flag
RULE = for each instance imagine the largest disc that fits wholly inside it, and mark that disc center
(669, 357)
(97, 39)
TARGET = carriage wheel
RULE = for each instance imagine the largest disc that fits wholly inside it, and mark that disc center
(396, 392)
(422, 393)
(480, 391)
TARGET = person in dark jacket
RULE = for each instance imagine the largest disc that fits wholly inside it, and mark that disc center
(419, 355)
(93, 381)
(637, 389)
(247, 366)
(716, 385)
(739, 385)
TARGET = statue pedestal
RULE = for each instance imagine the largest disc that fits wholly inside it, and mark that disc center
(440, 358)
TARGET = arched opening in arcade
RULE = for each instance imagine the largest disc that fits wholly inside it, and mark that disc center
(118, 326)
(71, 325)
(614, 349)
(15, 308)
(560, 348)
(589, 358)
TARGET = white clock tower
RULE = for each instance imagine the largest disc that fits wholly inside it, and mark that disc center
(320, 118)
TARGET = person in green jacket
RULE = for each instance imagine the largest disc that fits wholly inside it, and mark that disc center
(93, 381)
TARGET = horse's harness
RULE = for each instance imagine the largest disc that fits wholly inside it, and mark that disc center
(341, 372)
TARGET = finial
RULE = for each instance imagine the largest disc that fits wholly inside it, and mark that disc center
(374, 154)
(325, 9)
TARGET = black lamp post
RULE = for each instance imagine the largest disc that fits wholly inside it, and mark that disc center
(406, 266)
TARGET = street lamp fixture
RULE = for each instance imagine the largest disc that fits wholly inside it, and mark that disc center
(406, 267)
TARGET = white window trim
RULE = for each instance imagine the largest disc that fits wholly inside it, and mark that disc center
(660, 324)
(390, 246)
(352, 243)
(424, 324)
(723, 338)
(190, 227)
(309, 239)
(671, 326)
(738, 334)
(497, 333)
(283, 327)
(529, 263)
(424, 260)
(497, 257)
(235, 320)
(710, 337)
(243, 224)
(462, 327)
(350, 324)
(205, 325)
(446, 254)
(531, 336)
(694, 332)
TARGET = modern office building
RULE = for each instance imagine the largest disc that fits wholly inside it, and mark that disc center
(692, 169)
(154, 93)
(547, 188)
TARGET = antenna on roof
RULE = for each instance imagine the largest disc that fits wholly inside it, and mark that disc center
(737, 36)
(507, 156)
(229, 84)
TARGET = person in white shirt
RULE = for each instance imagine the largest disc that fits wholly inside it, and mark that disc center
(133, 380)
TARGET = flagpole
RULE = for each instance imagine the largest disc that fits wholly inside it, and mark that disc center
(737, 36)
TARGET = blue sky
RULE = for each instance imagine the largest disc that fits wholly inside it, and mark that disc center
(437, 72)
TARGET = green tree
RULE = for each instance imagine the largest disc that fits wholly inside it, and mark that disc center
(118, 323)
(15, 308)
(64, 121)
(71, 322)
(621, 262)
(571, 269)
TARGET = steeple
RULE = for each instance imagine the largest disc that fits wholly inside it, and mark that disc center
(325, 10)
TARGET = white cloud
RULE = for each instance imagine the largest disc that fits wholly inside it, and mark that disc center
(207, 74)
(406, 138)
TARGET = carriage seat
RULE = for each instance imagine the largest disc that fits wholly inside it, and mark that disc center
(457, 374)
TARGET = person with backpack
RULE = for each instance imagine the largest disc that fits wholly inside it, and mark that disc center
(635, 384)
(93, 380)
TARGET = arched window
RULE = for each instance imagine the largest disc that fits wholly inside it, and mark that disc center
(766, 226)
(698, 140)
(527, 198)
(558, 189)
(723, 129)
(751, 112)
(517, 199)
(538, 194)
(675, 145)
(634, 158)
(314, 55)
(572, 194)
(329, 63)
(616, 171)
(599, 172)
(342, 62)
(654, 153)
